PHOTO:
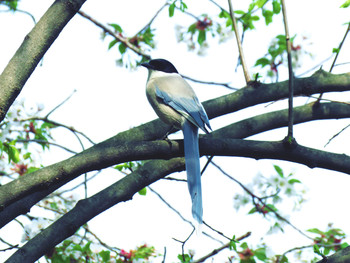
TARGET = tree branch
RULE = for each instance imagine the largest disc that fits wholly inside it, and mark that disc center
(290, 137)
(86, 209)
(32, 49)
(121, 148)
(239, 44)
(121, 39)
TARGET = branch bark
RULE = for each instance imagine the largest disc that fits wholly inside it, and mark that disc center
(152, 171)
(33, 48)
(30, 189)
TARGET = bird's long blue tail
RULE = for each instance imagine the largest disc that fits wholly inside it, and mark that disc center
(190, 132)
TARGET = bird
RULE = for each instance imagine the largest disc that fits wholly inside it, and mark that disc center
(176, 104)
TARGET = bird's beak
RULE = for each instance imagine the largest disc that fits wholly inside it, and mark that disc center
(146, 65)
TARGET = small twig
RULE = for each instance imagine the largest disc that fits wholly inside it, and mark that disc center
(152, 19)
(59, 125)
(77, 186)
(46, 142)
(59, 105)
(184, 242)
(260, 201)
(217, 250)
(335, 135)
(174, 179)
(170, 206)
(217, 231)
(164, 255)
(10, 246)
(290, 73)
(315, 67)
(210, 82)
(239, 44)
(114, 249)
(339, 48)
(337, 54)
(207, 164)
(125, 41)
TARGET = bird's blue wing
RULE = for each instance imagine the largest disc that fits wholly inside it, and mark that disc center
(189, 107)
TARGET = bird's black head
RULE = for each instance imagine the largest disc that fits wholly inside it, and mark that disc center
(160, 65)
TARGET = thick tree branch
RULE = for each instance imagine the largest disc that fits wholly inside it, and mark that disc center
(110, 153)
(86, 209)
(119, 148)
(33, 48)
(340, 257)
(125, 188)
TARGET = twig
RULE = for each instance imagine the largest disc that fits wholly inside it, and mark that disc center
(152, 19)
(77, 186)
(174, 179)
(207, 164)
(290, 73)
(170, 206)
(315, 67)
(335, 135)
(339, 48)
(46, 142)
(59, 125)
(240, 49)
(210, 82)
(114, 249)
(184, 242)
(337, 54)
(217, 231)
(123, 40)
(217, 250)
(59, 105)
(260, 201)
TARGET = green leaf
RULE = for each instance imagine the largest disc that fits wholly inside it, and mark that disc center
(317, 249)
(54, 205)
(192, 28)
(252, 211)
(201, 36)
(268, 16)
(183, 6)
(262, 62)
(244, 245)
(336, 50)
(26, 155)
(32, 169)
(294, 181)
(122, 48)
(346, 4)
(172, 9)
(117, 28)
(77, 247)
(86, 248)
(13, 154)
(276, 6)
(239, 12)
(143, 191)
(112, 43)
(105, 255)
(260, 253)
(184, 258)
(344, 245)
(233, 243)
(315, 231)
(271, 208)
(261, 3)
(279, 170)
